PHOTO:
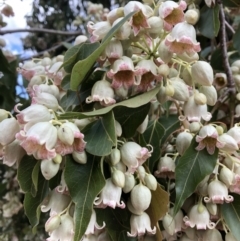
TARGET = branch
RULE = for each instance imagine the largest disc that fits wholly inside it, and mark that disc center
(40, 30)
(229, 27)
(47, 50)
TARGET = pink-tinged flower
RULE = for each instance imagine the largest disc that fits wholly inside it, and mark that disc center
(139, 19)
(235, 186)
(235, 133)
(93, 225)
(218, 193)
(102, 92)
(8, 129)
(55, 202)
(230, 144)
(110, 196)
(140, 224)
(208, 137)
(45, 88)
(12, 153)
(198, 217)
(172, 13)
(182, 39)
(39, 140)
(56, 73)
(33, 114)
(114, 50)
(78, 144)
(147, 71)
(98, 30)
(64, 232)
(46, 99)
(133, 155)
(29, 71)
(194, 112)
(166, 168)
(122, 73)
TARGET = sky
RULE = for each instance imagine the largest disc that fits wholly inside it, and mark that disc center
(20, 8)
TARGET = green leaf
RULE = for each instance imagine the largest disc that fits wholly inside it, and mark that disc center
(100, 135)
(231, 3)
(236, 37)
(69, 99)
(153, 136)
(131, 118)
(191, 169)
(84, 183)
(82, 67)
(216, 60)
(117, 222)
(65, 84)
(24, 173)
(170, 124)
(32, 204)
(67, 45)
(35, 176)
(209, 23)
(231, 215)
(134, 102)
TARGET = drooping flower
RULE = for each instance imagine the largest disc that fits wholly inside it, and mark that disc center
(93, 225)
(133, 155)
(230, 144)
(182, 39)
(172, 13)
(39, 140)
(208, 137)
(139, 19)
(218, 193)
(77, 143)
(122, 73)
(166, 168)
(140, 224)
(110, 196)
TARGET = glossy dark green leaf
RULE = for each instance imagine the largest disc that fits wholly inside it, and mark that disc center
(82, 67)
(65, 84)
(32, 204)
(35, 176)
(131, 118)
(191, 169)
(84, 181)
(153, 136)
(24, 173)
(231, 3)
(134, 102)
(217, 60)
(169, 124)
(236, 38)
(69, 99)
(100, 135)
(117, 222)
(209, 23)
(231, 215)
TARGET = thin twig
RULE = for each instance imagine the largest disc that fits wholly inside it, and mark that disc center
(46, 50)
(40, 30)
(229, 27)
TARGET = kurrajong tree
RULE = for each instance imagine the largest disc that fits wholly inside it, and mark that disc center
(133, 133)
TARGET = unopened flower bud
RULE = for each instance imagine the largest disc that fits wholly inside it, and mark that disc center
(226, 176)
(181, 92)
(129, 182)
(141, 172)
(212, 235)
(141, 197)
(169, 224)
(236, 63)
(161, 95)
(238, 96)
(230, 143)
(80, 39)
(191, 16)
(237, 110)
(169, 90)
(202, 73)
(200, 99)
(65, 134)
(49, 168)
(52, 223)
(57, 159)
(164, 52)
(163, 70)
(219, 130)
(80, 157)
(118, 128)
(183, 141)
(211, 94)
(3, 114)
(150, 181)
(212, 208)
(118, 178)
(115, 156)
(194, 127)
(186, 76)
(2, 42)
(143, 126)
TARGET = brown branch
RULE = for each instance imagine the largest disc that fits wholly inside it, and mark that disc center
(229, 27)
(40, 30)
(47, 50)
